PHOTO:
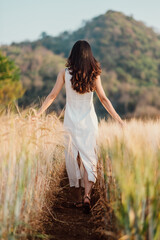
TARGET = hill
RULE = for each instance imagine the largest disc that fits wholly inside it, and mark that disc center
(129, 53)
(39, 69)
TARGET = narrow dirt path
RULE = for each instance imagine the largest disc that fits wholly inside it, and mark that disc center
(69, 223)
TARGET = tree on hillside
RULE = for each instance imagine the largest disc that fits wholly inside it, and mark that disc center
(43, 35)
(10, 85)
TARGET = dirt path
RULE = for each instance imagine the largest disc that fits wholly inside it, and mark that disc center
(69, 223)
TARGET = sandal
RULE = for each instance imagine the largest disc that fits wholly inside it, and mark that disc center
(86, 205)
(75, 204)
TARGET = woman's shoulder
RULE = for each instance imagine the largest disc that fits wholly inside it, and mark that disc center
(62, 71)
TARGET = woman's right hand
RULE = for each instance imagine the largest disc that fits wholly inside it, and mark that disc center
(34, 118)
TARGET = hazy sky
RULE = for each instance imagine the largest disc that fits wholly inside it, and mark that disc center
(26, 19)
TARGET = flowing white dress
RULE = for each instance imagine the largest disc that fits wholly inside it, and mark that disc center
(81, 128)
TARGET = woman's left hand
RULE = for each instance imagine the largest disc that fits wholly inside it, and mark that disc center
(122, 124)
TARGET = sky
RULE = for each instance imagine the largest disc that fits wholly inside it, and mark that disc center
(26, 19)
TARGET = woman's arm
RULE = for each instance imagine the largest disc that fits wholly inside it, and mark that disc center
(105, 101)
(53, 94)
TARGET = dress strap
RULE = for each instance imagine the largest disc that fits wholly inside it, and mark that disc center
(65, 73)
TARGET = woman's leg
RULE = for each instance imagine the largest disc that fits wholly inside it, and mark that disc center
(78, 189)
(88, 186)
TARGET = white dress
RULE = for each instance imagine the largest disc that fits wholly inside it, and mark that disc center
(81, 128)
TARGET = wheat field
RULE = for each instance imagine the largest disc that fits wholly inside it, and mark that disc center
(131, 161)
(28, 152)
(32, 157)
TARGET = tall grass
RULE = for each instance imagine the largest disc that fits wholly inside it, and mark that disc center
(32, 156)
(131, 160)
(29, 152)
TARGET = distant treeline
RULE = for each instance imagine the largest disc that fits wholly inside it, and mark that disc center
(129, 53)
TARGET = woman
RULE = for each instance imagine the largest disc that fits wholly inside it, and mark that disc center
(81, 79)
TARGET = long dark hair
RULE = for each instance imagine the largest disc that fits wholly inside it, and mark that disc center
(83, 67)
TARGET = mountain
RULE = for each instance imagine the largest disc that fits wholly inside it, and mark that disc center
(129, 53)
(39, 69)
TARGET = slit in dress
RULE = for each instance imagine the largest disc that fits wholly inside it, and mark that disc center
(80, 162)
